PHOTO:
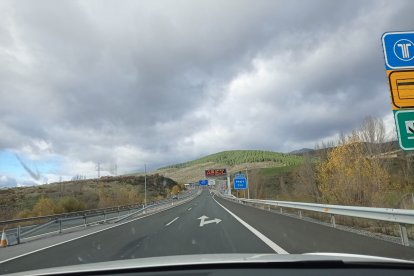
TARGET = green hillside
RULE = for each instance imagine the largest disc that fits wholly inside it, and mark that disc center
(236, 157)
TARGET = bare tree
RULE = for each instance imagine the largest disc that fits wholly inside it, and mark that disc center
(306, 187)
(372, 132)
(323, 148)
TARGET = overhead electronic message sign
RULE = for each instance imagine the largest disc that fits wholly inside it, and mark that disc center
(215, 172)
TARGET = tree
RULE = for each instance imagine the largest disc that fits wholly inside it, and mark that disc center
(175, 190)
(324, 148)
(44, 207)
(70, 204)
(349, 177)
(306, 187)
(372, 132)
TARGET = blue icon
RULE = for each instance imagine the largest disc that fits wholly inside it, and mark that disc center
(404, 50)
(203, 182)
(240, 182)
(398, 50)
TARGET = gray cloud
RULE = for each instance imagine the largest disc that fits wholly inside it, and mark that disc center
(159, 82)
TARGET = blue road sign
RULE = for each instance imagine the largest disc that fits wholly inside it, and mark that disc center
(203, 182)
(398, 50)
(240, 182)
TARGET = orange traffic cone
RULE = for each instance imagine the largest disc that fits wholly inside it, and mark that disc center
(4, 242)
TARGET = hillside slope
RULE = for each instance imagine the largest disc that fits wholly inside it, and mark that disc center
(233, 161)
(90, 193)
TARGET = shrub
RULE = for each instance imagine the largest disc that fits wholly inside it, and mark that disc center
(44, 207)
(69, 204)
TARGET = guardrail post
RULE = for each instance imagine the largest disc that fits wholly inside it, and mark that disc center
(404, 236)
(281, 210)
(118, 211)
(104, 217)
(18, 234)
(60, 226)
(300, 214)
(333, 221)
(268, 207)
(84, 221)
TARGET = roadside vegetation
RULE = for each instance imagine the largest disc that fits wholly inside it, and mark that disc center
(81, 195)
(236, 157)
(363, 168)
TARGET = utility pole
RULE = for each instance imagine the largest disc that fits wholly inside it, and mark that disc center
(99, 170)
(228, 185)
(60, 186)
(114, 169)
(145, 186)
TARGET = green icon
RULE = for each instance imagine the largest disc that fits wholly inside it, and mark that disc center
(404, 120)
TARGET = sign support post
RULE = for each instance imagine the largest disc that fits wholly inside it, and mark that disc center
(248, 187)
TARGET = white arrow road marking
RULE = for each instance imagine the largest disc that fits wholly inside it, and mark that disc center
(204, 222)
(189, 209)
(172, 221)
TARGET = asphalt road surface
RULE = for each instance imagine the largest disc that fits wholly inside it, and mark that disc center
(206, 225)
(79, 222)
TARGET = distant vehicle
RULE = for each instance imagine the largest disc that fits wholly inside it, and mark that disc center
(175, 197)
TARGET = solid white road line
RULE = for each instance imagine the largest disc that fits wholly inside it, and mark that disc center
(265, 239)
(172, 221)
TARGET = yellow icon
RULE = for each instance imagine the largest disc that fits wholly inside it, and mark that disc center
(402, 88)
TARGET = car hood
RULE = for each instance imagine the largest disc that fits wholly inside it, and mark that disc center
(203, 259)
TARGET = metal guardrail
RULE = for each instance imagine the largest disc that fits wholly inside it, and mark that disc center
(400, 216)
(79, 219)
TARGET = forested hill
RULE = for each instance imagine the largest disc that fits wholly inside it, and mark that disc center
(236, 157)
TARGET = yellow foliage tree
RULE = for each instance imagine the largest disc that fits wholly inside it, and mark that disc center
(44, 207)
(349, 177)
(175, 190)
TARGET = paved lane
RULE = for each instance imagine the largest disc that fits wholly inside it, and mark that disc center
(175, 231)
(180, 231)
(298, 236)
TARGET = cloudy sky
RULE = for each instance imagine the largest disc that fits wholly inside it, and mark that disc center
(159, 82)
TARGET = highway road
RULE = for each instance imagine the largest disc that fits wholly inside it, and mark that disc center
(206, 225)
(76, 222)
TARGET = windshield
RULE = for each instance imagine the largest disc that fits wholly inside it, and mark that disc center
(137, 129)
